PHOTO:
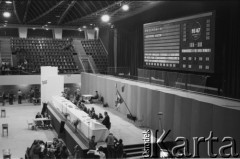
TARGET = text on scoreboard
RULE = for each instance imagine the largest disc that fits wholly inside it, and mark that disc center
(181, 44)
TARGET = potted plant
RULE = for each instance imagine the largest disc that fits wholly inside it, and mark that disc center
(75, 123)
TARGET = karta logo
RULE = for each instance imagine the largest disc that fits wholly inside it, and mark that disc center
(155, 146)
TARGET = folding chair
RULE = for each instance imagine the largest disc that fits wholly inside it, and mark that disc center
(4, 127)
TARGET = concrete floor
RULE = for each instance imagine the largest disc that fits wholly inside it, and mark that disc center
(19, 136)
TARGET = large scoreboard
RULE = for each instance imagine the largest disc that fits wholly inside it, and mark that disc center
(185, 44)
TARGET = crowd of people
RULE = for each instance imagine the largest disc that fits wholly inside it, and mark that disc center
(47, 150)
(33, 95)
(114, 148)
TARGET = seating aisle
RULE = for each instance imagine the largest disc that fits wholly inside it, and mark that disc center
(19, 136)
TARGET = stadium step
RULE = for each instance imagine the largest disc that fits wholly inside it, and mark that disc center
(134, 151)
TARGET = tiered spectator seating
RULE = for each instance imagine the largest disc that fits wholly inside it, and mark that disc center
(73, 34)
(9, 32)
(43, 52)
(39, 33)
(95, 49)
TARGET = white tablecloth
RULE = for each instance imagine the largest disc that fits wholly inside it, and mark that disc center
(87, 126)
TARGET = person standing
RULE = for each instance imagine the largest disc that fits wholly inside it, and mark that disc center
(110, 145)
(3, 98)
(10, 96)
(19, 96)
(119, 149)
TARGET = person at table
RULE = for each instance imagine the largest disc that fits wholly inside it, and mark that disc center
(94, 97)
(77, 97)
(106, 120)
(92, 144)
(38, 115)
(100, 153)
(94, 115)
(100, 116)
(64, 152)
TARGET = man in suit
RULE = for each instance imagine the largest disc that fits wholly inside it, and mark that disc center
(106, 120)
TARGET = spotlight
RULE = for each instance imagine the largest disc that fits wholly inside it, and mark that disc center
(46, 28)
(8, 2)
(49, 22)
(125, 7)
(105, 18)
(84, 27)
(79, 29)
(96, 28)
(6, 14)
(33, 28)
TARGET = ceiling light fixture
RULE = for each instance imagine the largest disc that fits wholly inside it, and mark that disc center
(49, 22)
(6, 14)
(96, 28)
(125, 7)
(105, 18)
(84, 27)
(33, 28)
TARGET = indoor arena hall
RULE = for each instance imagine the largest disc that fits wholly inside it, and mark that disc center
(119, 79)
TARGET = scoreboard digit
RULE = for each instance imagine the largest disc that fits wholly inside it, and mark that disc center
(185, 44)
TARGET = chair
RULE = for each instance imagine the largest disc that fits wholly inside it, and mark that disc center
(30, 124)
(4, 127)
(6, 154)
(3, 112)
(38, 124)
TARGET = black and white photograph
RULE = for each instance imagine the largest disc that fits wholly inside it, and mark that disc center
(119, 79)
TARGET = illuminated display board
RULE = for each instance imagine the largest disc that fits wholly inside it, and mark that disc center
(185, 44)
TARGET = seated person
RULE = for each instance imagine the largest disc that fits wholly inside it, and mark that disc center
(47, 123)
(94, 97)
(100, 153)
(85, 109)
(92, 110)
(94, 115)
(92, 144)
(100, 116)
(106, 120)
(38, 115)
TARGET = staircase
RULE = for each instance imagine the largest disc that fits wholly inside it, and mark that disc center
(87, 63)
(134, 151)
(5, 51)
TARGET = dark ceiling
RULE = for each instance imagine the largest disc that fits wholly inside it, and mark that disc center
(67, 12)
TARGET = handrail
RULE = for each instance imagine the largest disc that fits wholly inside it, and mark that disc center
(103, 46)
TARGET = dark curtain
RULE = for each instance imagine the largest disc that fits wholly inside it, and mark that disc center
(231, 56)
(130, 49)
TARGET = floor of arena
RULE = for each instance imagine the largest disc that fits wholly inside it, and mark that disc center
(19, 135)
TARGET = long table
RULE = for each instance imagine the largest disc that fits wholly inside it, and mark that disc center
(87, 126)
